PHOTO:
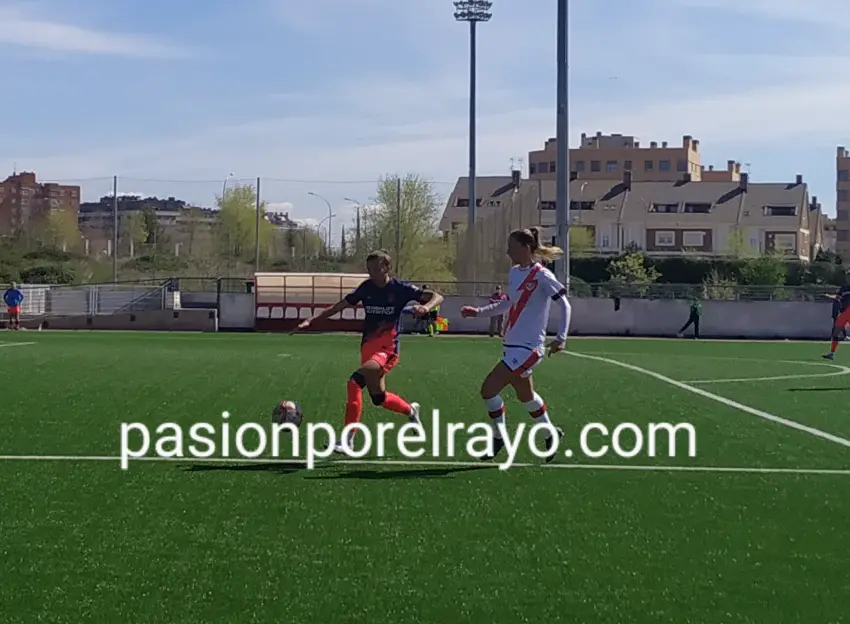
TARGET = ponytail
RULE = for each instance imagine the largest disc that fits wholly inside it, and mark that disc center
(546, 253)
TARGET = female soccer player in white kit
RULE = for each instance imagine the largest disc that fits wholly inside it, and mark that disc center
(531, 290)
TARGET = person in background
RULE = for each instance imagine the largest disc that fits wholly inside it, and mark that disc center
(431, 319)
(496, 322)
(836, 311)
(13, 298)
(693, 319)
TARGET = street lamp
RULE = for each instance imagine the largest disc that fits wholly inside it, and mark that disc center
(357, 205)
(329, 217)
(472, 11)
(319, 228)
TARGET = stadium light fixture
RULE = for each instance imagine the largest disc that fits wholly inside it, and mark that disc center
(473, 12)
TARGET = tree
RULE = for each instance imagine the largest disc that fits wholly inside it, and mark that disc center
(766, 270)
(343, 249)
(237, 220)
(630, 270)
(154, 232)
(192, 219)
(405, 224)
(60, 230)
(738, 246)
(133, 230)
(581, 240)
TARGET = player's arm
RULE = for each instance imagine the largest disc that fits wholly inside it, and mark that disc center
(558, 293)
(349, 301)
(497, 308)
(426, 299)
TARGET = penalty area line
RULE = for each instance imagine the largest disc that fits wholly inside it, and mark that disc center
(791, 424)
(427, 463)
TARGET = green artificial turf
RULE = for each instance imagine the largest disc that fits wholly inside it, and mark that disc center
(241, 542)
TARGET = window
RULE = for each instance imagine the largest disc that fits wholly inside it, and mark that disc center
(648, 165)
(547, 205)
(843, 194)
(611, 165)
(494, 203)
(844, 175)
(780, 211)
(579, 165)
(842, 235)
(542, 167)
(668, 208)
(606, 241)
(664, 165)
(785, 243)
(461, 202)
(682, 165)
(532, 168)
(693, 239)
(595, 166)
(581, 205)
(552, 167)
(627, 165)
(843, 215)
(699, 208)
(665, 239)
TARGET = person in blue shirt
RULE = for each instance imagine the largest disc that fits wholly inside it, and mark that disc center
(13, 298)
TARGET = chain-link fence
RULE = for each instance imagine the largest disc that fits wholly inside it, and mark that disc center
(488, 263)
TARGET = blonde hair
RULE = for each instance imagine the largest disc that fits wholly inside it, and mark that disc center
(531, 238)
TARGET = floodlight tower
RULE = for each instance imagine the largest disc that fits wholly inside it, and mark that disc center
(472, 11)
(562, 164)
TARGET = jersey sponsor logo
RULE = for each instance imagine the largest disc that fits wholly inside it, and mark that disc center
(380, 310)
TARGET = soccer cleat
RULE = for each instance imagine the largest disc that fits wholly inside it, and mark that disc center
(414, 415)
(340, 449)
(829, 356)
(498, 445)
(550, 442)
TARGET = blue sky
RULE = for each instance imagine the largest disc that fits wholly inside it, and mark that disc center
(328, 95)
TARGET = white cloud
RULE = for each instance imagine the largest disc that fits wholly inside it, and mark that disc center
(382, 121)
(22, 29)
(831, 13)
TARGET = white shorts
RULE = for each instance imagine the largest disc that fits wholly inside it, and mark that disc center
(522, 360)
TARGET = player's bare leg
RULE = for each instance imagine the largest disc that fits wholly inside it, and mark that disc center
(533, 402)
(491, 391)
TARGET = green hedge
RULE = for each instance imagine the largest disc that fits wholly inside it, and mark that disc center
(698, 270)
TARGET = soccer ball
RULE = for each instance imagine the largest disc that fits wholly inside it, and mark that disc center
(287, 412)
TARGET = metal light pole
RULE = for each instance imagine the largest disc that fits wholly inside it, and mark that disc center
(330, 217)
(357, 206)
(562, 158)
(472, 11)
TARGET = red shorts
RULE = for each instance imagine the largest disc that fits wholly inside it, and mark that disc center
(14, 310)
(843, 319)
(385, 358)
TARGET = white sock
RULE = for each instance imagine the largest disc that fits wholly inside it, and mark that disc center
(496, 404)
(535, 405)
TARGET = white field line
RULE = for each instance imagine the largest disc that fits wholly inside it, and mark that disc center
(841, 370)
(15, 344)
(425, 463)
(723, 400)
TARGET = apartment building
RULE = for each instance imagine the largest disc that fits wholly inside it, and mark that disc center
(661, 217)
(842, 202)
(23, 199)
(607, 156)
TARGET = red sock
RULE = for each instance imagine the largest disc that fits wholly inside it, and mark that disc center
(354, 404)
(834, 346)
(395, 403)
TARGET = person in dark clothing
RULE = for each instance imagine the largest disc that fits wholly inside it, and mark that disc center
(693, 319)
(836, 310)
